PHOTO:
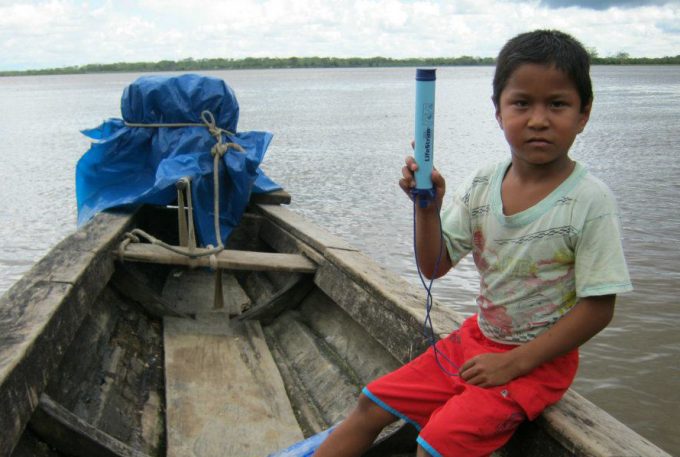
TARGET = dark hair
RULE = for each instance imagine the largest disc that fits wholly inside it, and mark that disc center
(548, 47)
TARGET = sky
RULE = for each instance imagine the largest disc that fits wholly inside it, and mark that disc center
(57, 33)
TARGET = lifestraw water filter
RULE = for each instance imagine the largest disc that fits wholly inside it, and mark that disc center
(424, 194)
(424, 134)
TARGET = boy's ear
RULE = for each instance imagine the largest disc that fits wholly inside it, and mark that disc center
(499, 119)
(585, 115)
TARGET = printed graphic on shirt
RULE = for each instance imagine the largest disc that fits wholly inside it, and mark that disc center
(529, 264)
(520, 294)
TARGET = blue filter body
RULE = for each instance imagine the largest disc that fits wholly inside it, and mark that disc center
(424, 134)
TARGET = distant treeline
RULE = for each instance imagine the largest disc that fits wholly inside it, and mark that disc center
(308, 62)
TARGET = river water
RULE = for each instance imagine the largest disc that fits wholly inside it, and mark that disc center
(340, 137)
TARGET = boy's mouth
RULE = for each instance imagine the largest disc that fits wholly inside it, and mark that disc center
(538, 142)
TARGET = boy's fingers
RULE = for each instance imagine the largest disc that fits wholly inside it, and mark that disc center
(438, 180)
(411, 163)
(464, 369)
(404, 185)
(469, 364)
(472, 375)
(473, 380)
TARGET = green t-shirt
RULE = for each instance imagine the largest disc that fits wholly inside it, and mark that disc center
(536, 264)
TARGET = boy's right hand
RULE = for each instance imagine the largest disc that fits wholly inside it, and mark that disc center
(408, 181)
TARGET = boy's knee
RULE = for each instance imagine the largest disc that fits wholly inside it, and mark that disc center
(364, 403)
(373, 413)
(366, 406)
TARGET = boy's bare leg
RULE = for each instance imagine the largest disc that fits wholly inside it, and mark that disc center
(422, 452)
(356, 433)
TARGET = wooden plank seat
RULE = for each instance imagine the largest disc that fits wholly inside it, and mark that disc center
(66, 431)
(224, 393)
(226, 260)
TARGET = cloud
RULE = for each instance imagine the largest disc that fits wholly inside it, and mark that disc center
(669, 26)
(55, 33)
(604, 4)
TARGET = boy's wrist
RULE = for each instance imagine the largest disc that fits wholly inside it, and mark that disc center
(432, 208)
(523, 359)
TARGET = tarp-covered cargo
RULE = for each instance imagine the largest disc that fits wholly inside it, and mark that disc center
(163, 136)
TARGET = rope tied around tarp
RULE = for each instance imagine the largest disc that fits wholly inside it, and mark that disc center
(208, 122)
(206, 116)
(217, 151)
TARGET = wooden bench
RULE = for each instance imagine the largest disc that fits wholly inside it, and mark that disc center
(226, 260)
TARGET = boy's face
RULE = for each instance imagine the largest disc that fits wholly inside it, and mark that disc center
(540, 113)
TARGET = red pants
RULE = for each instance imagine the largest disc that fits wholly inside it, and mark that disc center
(458, 419)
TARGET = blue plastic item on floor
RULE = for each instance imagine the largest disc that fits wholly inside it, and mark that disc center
(304, 448)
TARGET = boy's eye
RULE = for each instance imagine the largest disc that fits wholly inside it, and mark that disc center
(520, 103)
(558, 104)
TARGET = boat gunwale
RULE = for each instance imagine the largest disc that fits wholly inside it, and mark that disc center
(41, 312)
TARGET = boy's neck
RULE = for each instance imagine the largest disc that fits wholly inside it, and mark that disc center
(531, 174)
(525, 185)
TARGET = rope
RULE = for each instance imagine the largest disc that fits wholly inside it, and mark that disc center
(206, 116)
(428, 327)
(217, 151)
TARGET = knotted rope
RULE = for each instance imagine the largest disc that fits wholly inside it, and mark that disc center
(217, 151)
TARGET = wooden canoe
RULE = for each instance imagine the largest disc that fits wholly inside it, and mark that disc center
(110, 354)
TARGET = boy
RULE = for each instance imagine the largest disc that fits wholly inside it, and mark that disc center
(545, 239)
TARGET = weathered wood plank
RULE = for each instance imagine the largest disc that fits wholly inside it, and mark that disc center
(281, 240)
(276, 197)
(40, 314)
(349, 340)
(307, 232)
(332, 387)
(394, 289)
(131, 285)
(72, 435)
(224, 394)
(309, 417)
(27, 356)
(288, 297)
(388, 307)
(193, 292)
(585, 429)
(112, 373)
(259, 286)
(227, 260)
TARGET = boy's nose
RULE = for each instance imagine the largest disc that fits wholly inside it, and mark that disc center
(538, 118)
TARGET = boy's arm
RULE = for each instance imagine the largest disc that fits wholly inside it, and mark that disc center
(430, 248)
(588, 317)
(429, 244)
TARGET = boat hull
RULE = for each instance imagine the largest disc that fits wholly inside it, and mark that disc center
(104, 355)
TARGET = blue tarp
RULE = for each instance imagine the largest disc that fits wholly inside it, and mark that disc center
(134, 165)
